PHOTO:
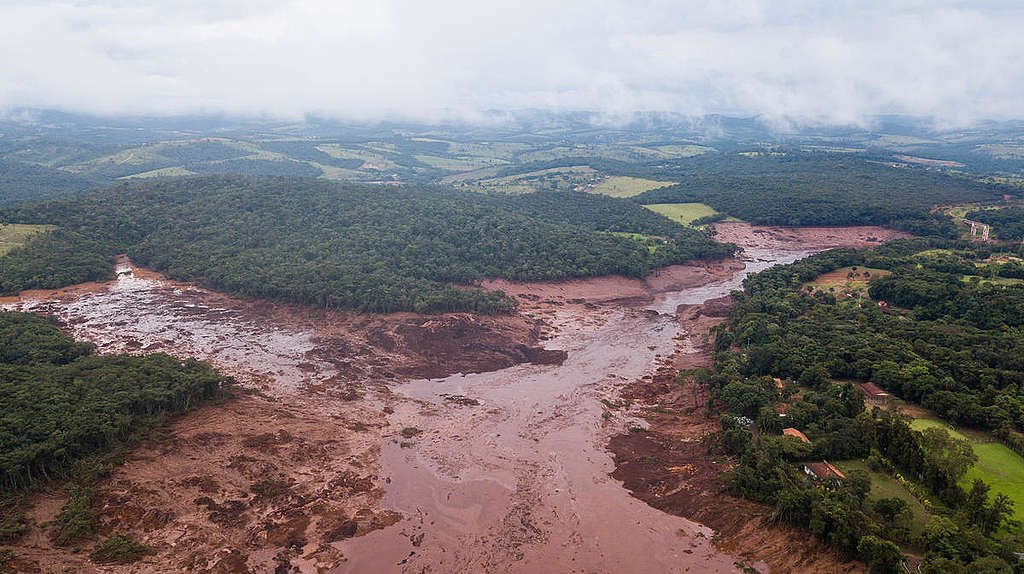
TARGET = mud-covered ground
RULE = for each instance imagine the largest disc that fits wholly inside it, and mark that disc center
(818, 238)
(369, 445)
(269, 480)
(673, 466)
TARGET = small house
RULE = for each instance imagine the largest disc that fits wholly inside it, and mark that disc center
(823, 470)
(874, 394)
(795, 434)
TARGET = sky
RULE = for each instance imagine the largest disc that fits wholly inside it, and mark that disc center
(829, 61)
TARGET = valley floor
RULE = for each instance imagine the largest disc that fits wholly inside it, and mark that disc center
(367, 444)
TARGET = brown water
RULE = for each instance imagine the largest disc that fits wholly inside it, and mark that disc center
(519, 482)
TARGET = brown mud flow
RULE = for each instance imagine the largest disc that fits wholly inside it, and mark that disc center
(337, 466)
(514, 476)
(270, 480)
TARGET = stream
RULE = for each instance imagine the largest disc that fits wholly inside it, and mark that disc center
(510, 472)
(503, 471)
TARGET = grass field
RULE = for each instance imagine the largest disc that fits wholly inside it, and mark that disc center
(676, 151)
(624, 186)
(162, 172)
(992, 280)
(885, 486)
(997, 465)
(840, 280)
(682, 212)
(14, 234)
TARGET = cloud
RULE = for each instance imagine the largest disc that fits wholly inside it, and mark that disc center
(817, 61)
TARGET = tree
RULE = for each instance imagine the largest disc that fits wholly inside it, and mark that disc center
(881, 556)
(947, 456)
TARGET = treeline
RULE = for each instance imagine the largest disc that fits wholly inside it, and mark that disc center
(960, 537)
(26, 182)
(55, 259)
(958, 348)
(61, 404)
(335, 245)
(802, 189)
(952, 345)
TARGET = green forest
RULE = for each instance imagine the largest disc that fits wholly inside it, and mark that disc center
(61, 403)
(20, 182)
(941, 324)
(346, 246)
(818, 189)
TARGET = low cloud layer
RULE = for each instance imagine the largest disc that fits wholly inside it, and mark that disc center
(822, 61)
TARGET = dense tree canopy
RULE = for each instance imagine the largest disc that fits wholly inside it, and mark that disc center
(24, 182)
(335, 245)
(950, 336)
(817, 189)
(958, 348)
(59, 403)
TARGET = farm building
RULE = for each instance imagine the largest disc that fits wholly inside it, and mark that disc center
(795, 434)
(874, 394)
(823, 470)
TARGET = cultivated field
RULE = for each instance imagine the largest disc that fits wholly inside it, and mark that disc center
(683, 213)
(14, 234)
(624, 186)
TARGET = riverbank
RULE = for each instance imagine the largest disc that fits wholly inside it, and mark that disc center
(368, 444)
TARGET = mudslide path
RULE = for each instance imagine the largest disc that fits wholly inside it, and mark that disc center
(370, 446)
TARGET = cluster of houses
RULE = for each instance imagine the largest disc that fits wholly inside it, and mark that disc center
(824, 470)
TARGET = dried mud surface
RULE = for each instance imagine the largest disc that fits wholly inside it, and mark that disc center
(271, 480)
(819, 238)
(671, 466)
(403, 443)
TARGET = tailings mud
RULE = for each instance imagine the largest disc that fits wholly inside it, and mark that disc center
(271, 480)
(514, 476)
(371, 446)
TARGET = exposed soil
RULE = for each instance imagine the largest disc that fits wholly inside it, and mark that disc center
(265, 482)
(404, 443)
(672, 466)
(751, 236)
(616, 287)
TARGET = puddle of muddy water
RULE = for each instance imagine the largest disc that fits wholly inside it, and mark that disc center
(520, 483)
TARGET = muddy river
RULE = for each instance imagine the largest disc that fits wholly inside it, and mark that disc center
(501, 471)
(512, 476)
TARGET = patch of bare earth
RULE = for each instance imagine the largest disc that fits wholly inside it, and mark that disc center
(272, 480)
(672, 466)
(371, 446)
(773, 237)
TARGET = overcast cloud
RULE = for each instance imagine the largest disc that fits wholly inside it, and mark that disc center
(429, 59)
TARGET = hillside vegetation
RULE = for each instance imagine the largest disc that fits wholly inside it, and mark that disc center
(817, 189)
(61, 404)
(25, 182)
(336, 245)
(930, 331)
(1006, 223)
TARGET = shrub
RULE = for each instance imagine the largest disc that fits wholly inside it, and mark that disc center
(119, 549)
